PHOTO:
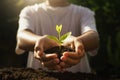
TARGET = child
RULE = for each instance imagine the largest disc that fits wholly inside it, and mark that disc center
(37, 21)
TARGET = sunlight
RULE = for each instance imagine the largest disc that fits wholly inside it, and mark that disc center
(20, 2)
(27, 2)
(33, 1)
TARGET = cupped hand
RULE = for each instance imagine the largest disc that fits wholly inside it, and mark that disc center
(70, 59)
(50, 61)
(47, 60)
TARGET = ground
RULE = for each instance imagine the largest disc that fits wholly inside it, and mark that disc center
(39, 74)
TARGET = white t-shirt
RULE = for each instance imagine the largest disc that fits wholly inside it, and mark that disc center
(42, 19)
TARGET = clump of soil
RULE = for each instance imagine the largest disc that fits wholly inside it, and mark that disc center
(59, 50)
(39, 74)
(24, 74)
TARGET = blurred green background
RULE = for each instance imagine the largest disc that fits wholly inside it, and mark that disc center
(108, 24)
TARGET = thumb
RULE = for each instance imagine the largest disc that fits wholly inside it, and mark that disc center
(38, 50)
(79, 48)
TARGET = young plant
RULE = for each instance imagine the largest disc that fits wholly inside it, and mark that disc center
(60, 39)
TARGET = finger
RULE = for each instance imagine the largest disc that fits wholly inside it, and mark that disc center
(79, 48)
(52, 64)
(72, 46)
(38, 49)
(57, 67)
(64, 65)
(72, 55)
(48, 57)
(38, 54)
(70, 61)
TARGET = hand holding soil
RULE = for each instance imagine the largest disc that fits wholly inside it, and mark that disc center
(58, 53)
(60, 40)
(69, 54)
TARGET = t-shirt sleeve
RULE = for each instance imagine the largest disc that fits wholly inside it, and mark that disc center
(26, 19)
(88, 23)
(87, 20)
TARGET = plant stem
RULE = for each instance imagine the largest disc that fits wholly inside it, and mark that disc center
(59, 40)
(59, 36)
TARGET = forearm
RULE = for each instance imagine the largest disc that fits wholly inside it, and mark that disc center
(26, 40)
(90, 40)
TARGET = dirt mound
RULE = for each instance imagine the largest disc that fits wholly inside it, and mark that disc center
(39, 74)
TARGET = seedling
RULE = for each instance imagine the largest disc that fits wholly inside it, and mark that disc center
(60, 39)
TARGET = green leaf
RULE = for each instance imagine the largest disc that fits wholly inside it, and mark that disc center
(58, 28)
(53, 38)
(63, 37)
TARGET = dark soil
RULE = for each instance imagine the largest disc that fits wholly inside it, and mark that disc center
(59, 50)
(39, 74)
